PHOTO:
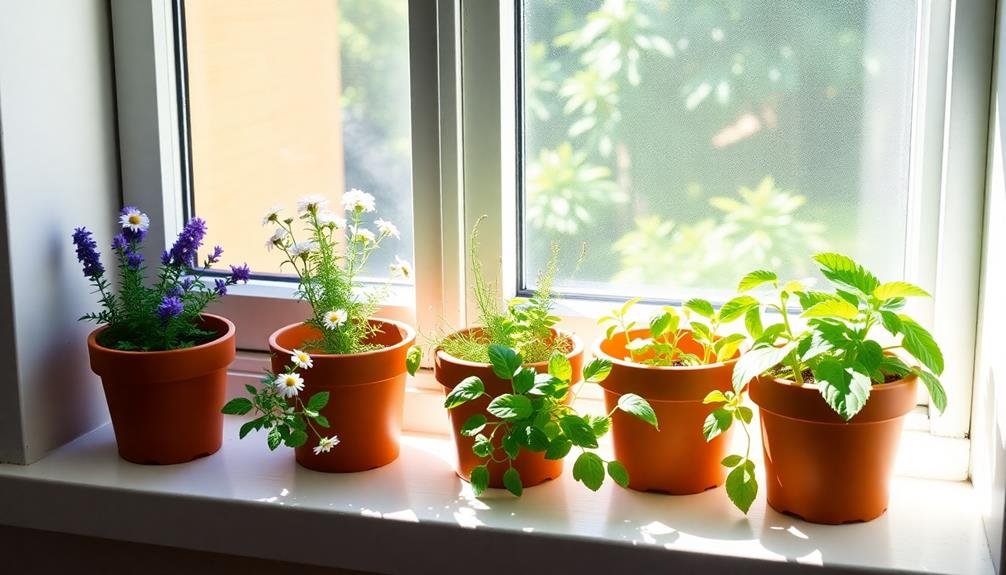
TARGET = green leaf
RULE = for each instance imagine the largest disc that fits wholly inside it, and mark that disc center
(238, 406)
(755, 279)
(844, 272)
(589, 469)
(597, 370)
(758, 361)
(832, 308)
(737, 307)
(891, 290)
(891, 321)
(870, 355)
(318, 401)
(625, 307)
(296, 438)
(701, 307)
(618, 473)
(483, 446)
(470, 388)
(505, 361)
(579, 431)
(600, 424)
(559, 367)
(247, 428)
(661, 324)
(714, 396)
(322, 421)
(558, 448)
(716, 423)
(544, 384)
(511, 480)
(845, 389)
(935, 388)
(752, 322)
(536, 439)
(510, 407)
(413, 359)
(251, 389)
(742, 486)
(274, 438)
(523, 380)
(726, 347)
(479, 479)
(921, 345)
(731, 461)
(635, 405)
(473, 425)
(744, 413)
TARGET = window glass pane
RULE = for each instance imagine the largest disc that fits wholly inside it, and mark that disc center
(288, 99)
(686, 143)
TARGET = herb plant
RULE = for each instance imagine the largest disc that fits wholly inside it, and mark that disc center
(327, 260)
(163, 315)
(280, 409)
(535, 418)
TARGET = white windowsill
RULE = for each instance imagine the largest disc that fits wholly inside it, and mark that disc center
(415, 515)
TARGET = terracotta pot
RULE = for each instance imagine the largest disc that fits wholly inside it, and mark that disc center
(676, 459)
(450, 371)
(366, 392)
(821, 468)
(165, 405)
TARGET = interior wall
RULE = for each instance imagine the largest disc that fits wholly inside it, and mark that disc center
(60, 170)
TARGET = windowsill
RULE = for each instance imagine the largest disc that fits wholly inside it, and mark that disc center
(415, 515)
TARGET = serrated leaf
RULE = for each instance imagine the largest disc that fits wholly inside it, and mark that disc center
(618, 473)
(589, 470)
(637, 406)
(274, 439)
(844, 389)
(579, 431)
(742, 486)
(470, 388)
(660, 324)
(510, 407)
(559, 367)
(413, 359)
(810, 298)
(247, 428)
(479, 479)
(898, 289)
(718, 421)
(597, 370)
(558, 448)
(737, 307)
(921, 345)
(512, 482)
(731, 461)
(758, 361)
(523, 380)
(935, 388)
(755, 279)
(701, 307)
(845, 272)
(505, 361)
(237, 406)
(831, 309)
(870, 355)
(318, 401)
(891, 321)
(473, 425)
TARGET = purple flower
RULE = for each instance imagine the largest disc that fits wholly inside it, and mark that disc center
(187, 282)
(240, 273)
(87, 253)
(134, 236)
(120, 243)
(183, 253)
(221, 286)
(171, 306)
(134, 259)
(176, 292)
(215, 256)
(165, 257)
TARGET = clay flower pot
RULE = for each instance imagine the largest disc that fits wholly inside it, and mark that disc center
(534, 469)
(165, 405)
(821, 468)
(366, 395)
(675, 459)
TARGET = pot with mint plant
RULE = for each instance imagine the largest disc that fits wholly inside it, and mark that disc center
(509, 385)
(675, 366)
(357, 359)
(832, 397)
(162, 360)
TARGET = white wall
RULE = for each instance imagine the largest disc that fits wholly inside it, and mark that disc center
(60, 170)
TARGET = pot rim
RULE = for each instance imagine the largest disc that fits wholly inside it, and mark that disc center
(577, 349)
(599, 353)
(888, 401)
(407, 339)
(873, 387)
(92, 340)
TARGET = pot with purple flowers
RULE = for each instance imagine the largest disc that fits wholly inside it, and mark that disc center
(162, 360)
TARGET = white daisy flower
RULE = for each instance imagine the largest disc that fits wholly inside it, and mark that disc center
(289, 384)
(358, 201)
(329, 218)
(276, 238)
(362, 235)
(301, 359)
(335, 318)
(134, 220)
(313, 203)
(302, 249)
(325, 444)
(387, 228)
(400, 268)
(272, 215)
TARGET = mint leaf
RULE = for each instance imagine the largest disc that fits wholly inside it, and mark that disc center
(536, 439)
(470, 388)
(558, 448)
(737, 307)
(845, 389)
(413, 359)
(559, 367)
(755, 279)
(716, 422)
(635, 405)
(935, 388)
(578, 431)
(479, 479)
(891, 290)
(505, 361)
(511, 480)
(523, 380)
(237, 406)
(318, 401)
(845, 272)
(891, 321)
(510, 407)
(473, 425)
(758, 361)
(660, 324)
(483, 446)
(600, 424)
(597, 370)
(921, 345)
(511, 445)
(589, 469)
(870, 356)
(832, 308)
(618, 473)
(742, 486)
(701, 307)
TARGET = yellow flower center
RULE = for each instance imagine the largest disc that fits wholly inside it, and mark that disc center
(135, 220)
(302, 357)
(290, 382)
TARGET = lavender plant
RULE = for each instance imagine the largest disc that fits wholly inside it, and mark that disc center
(159, 315)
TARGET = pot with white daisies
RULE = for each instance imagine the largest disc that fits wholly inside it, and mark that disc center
(160, 358)
(353, 362)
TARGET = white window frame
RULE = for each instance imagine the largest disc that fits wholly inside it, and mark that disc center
(463, 82)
